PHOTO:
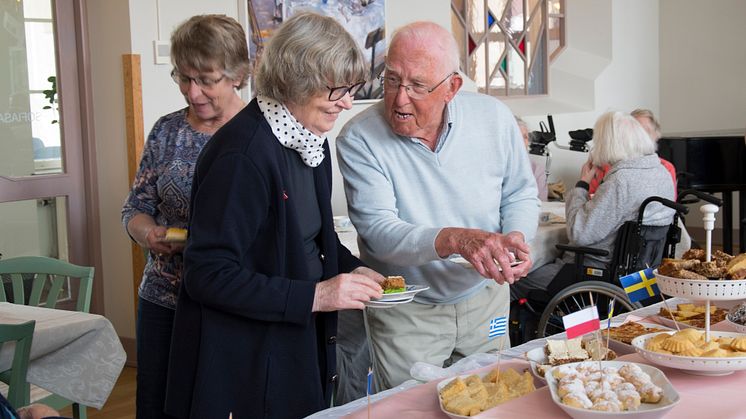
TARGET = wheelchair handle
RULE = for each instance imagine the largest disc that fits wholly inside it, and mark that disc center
(680, 208)
(701, 195)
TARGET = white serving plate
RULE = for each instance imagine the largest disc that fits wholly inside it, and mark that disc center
(718, 290)
(388, 304)
(740, 328)
(411, 290)
(645, 411)
(448, 380)
(692, 364)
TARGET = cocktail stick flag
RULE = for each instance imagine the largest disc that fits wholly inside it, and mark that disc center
(640, 285)
(581, 322)
(498, 327)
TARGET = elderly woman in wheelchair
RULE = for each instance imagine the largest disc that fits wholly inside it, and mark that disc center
(612, 232)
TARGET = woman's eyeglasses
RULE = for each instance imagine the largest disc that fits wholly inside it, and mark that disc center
(336, 93)
(202, 81)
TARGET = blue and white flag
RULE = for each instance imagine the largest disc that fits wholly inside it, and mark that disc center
(640, 285)
(498, 327)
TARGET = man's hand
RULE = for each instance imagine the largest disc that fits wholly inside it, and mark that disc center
(487, 252)
(347, 291)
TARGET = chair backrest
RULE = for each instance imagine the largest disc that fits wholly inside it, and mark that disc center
(22, 334)
(46, 275)
(637, 247)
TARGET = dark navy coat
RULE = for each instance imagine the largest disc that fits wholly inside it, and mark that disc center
(244, 339)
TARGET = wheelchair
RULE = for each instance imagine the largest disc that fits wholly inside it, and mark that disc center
(576, 286)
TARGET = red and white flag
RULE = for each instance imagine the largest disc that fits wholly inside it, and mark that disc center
(581, 322)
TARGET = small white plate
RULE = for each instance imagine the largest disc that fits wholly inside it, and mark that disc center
(537, 358)
(397, 296)
(741, 328)
(388, 304)
(645, 411)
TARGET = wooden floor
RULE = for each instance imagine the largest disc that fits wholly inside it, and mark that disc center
(121, 402)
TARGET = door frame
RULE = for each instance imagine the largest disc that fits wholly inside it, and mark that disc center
(78, 182)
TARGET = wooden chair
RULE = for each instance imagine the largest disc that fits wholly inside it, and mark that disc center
(44, 280)
(22, 334)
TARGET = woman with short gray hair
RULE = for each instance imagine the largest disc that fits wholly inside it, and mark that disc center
(210, 63)
(264, 270)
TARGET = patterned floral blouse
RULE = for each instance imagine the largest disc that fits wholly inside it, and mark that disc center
(162, 189)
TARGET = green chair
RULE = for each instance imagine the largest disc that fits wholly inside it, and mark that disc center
(22, 334)
(44, 279)
(48, 276)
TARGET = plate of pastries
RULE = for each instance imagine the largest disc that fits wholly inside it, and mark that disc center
(693, 265)
(722, 278)
(611, 389)
(469, 395)
(690, 314)
(621, 334)
(690, 351)
(564, 351)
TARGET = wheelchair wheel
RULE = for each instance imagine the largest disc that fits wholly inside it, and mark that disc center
(578, 296)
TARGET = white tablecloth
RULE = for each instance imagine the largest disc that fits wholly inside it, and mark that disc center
(75, 355)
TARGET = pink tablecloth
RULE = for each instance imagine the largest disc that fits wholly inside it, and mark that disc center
(701, 397)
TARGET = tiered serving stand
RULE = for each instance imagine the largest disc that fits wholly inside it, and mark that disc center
(707, 290)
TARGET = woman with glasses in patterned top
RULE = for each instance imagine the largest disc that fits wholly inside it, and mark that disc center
(210, 58)
(264, 270)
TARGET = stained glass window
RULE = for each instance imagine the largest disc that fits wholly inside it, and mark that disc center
(506, 45)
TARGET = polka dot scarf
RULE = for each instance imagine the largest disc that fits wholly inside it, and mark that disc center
(290, 133)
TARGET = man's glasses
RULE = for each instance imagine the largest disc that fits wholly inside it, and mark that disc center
(336, 93)
(202, 81)
(415, 90)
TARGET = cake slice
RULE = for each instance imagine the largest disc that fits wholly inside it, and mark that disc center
(393, 284)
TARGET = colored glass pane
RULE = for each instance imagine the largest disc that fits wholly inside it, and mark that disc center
(472, 45)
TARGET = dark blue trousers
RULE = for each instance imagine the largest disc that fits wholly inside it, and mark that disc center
(154, 324)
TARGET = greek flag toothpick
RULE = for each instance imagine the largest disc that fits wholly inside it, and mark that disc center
(498, 327)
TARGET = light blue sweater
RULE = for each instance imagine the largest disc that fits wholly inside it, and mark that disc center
(400, 194)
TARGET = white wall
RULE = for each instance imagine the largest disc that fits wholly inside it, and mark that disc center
(109, 39)
(703, 57)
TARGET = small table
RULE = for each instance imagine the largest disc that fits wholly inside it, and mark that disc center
(75, 355)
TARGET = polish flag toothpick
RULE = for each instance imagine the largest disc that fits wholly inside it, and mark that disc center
(581, 322)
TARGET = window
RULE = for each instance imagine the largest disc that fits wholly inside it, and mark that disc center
(507, 45)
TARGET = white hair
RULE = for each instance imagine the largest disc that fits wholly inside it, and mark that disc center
(618, 136)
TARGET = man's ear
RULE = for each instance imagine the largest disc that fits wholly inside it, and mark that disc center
(454, 84)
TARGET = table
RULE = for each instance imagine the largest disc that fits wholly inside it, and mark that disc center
(75, 355)
(415, 400)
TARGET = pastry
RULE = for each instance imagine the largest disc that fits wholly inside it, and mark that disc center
(393, 284)
(473, 395)
(677, 344)
(739, 344)
(175, 235)
(628, 331)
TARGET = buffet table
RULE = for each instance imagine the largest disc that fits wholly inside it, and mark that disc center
(415, 400)
(75, 355)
